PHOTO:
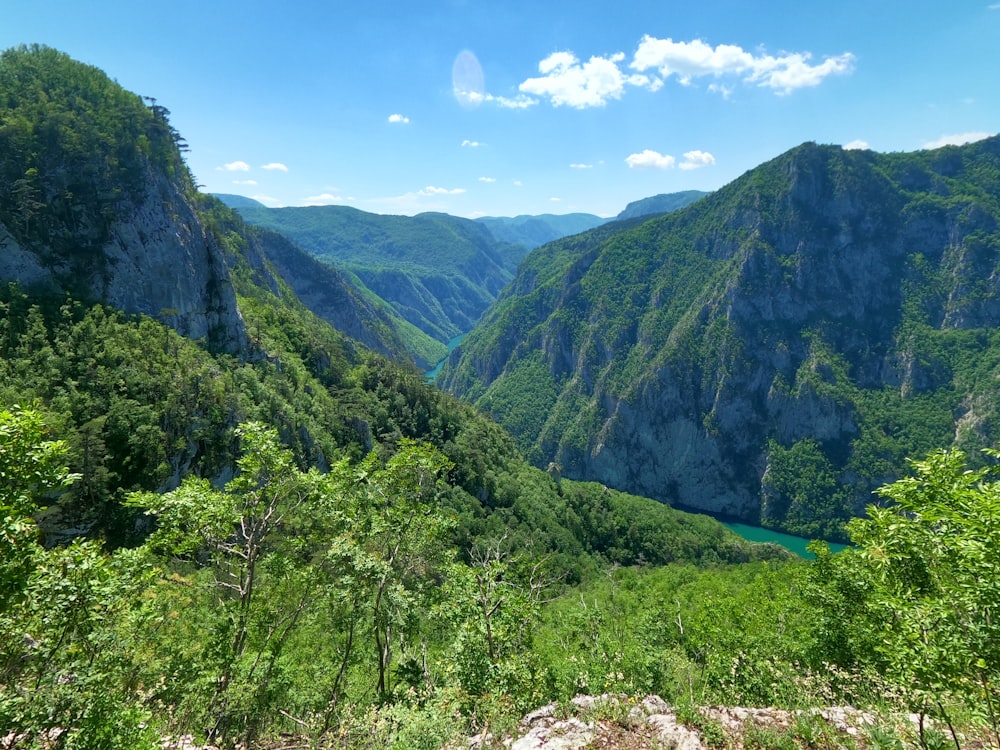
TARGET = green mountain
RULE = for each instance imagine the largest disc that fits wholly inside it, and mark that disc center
(225, 523)
(238, 201)
(772, 352)
(337, 299)
(530, 232)
(660, 204)
(438, 272)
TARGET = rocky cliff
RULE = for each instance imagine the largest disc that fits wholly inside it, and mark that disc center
(95, 200)
(159, 261)
(824, 316)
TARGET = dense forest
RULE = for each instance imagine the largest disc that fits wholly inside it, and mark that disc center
(280, 538)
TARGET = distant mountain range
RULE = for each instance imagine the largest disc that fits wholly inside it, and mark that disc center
(530, 232)
(437, 272)
(660, 204)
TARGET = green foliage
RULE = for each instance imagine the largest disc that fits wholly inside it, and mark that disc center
(68, 615)
(801, 491)
(695, 636)
(933, 555)
(628, 530)
(282, 552)
(74, 148)
(915, 602)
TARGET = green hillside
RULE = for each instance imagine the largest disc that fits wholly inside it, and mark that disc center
(773, 352)
(131, 427)
(438, 272)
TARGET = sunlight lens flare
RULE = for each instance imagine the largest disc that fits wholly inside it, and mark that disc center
(467, 80)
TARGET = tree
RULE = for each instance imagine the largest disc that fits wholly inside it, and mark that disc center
(928, 602)
(67, 614)
(401, 543)
(343, 557)
(235, 531)
(30, 468)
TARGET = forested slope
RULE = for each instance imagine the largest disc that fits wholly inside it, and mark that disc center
(438, 272)
(772, 352)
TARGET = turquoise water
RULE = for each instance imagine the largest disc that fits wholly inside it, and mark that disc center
(795, 544)
(433, 372)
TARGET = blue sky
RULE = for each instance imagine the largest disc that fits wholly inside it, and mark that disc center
(525, 107)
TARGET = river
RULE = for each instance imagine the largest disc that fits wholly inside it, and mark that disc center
(794, 544)
(433, 372)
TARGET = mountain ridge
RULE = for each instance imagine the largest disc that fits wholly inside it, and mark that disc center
(696, 357)
(437, 271)
(660, 204)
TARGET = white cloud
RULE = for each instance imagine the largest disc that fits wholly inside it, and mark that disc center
(430, 198)
(857, 145)
(487, 179)
(994, 6)
(721, 88)
(324, 199)
(695, 59)
(475, 98)
(581, 166)
(471, 144)
(567, 81)
(244, 182)
(396, 117)
(956, 139)
(234, 166)
(431, 190)
(275, 166)
(518, 183)
(785, 74)
(518, 102)
(696, 160)
(555, 200)
(650, 159)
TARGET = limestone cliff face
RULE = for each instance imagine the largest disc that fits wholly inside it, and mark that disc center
(686, 358)
(162, 262)
(159, 260)
(96, 200)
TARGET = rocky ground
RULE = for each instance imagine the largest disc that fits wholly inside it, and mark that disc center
(629, 724)
(609, 722)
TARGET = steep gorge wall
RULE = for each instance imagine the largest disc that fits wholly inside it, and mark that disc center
(807, 302)
(159, 261)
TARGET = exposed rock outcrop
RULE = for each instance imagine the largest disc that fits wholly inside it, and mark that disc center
(611, 721)
(162, 262)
